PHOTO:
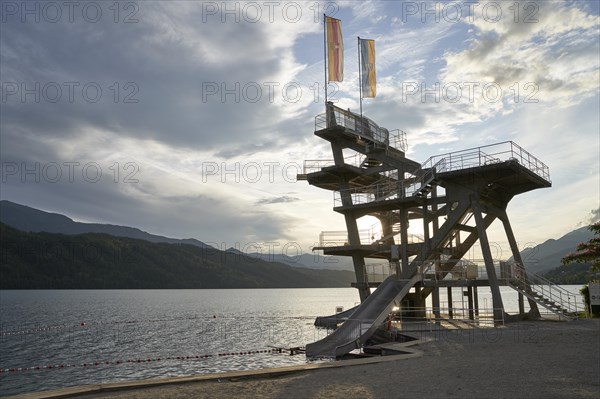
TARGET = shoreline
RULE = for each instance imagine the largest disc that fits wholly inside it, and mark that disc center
(524, 359)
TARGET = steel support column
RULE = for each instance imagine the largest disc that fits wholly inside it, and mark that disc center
(489, 261)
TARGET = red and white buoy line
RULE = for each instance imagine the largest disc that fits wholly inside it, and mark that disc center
(59, 327)
(88, 365)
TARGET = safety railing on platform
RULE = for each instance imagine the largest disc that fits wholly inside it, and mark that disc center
(420, 183)
(388, 190)
(458, 270)
(490, 154)
(377, 192)
(377, 272)
(339, 238)
(365, 195)
(361, 126)
(315, 165)
(398, 139)
(372, 236)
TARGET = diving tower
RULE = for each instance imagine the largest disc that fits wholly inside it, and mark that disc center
(455, 196)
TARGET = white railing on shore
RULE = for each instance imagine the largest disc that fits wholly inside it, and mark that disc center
(461, 317)
(427, 321)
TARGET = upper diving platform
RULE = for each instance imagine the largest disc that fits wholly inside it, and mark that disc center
(377, 150)
(502, 169)
(354, 125)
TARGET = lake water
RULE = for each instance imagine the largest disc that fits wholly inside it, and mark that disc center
(102, 336)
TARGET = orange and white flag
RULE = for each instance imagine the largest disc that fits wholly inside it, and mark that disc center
(335, 49)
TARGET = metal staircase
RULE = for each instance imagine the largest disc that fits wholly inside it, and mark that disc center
(391, 186)
(545, 293)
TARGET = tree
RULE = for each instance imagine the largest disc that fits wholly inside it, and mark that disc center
(587, 252)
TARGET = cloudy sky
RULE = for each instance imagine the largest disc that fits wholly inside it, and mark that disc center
(191, 119)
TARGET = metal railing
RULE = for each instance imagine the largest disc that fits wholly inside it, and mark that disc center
(427, 321)
(545, 292)
(372, 236)
(379, 192)
(465, 159)
(490, 154)
(449, 317)
(461, 270)
(362, 127)
(315, 165)
(339, 238)
(377, 272)
(398, 139)
(388, 190)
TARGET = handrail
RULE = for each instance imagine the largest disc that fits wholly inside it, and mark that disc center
(465, 159)
(359, 125)
(377, 272)
(316, 165)
(372, 236)
(490, 154)
(384, 191)
(398, 139)
(482, 317)
(485, 318)
(522, 280)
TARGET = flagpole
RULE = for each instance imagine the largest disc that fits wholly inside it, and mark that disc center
(325, 52)
(360, 85)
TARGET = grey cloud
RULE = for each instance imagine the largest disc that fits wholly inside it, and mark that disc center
(245, 150)
(167, 67)
(277, 200)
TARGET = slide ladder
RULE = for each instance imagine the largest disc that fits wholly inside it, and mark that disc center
(364, 321)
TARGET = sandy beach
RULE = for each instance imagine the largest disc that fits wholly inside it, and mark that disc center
(535, 359)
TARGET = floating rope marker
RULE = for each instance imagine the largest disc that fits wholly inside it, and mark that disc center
(88, 365)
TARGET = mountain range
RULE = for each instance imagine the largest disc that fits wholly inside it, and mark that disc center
(30, 219)
(547, 256)
(98, 261)
(42, 250)
(33, 220)
(41, 225)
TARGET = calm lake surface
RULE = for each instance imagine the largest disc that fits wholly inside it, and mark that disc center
(102, 336)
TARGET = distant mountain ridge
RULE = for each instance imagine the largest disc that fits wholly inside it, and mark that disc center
(100, 261)
(538, 259)
(547, 256)
(25, 218)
